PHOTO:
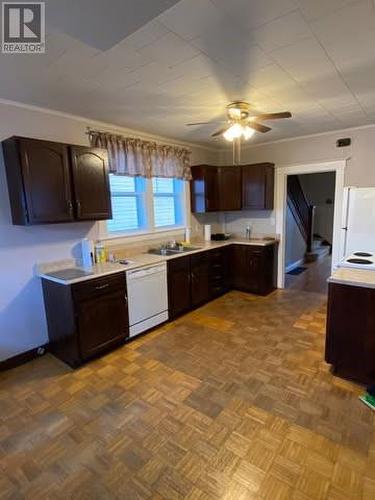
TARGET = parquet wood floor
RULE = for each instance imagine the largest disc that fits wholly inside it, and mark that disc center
(232, 401)
(314, 279)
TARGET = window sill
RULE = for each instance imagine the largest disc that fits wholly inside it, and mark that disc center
(141, 235)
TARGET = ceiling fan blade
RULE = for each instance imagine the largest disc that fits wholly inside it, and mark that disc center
(204, 123)
(219, 132)
(274, 116)
(258, 127)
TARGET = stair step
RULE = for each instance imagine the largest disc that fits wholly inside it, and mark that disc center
(317, 253)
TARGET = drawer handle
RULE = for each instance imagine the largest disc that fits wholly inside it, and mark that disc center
(101, 287)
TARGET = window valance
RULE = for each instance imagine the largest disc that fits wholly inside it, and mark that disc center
(137, 157)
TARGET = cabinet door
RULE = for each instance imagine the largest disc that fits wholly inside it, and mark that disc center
(179, 296)
(258, 186)
(46, 181)
(253, 268)
(240, 267)
(102, 322)
(256, 269)
(350, 345)
(91, 183)
(230, 188)
(200, 281)
(204, 189)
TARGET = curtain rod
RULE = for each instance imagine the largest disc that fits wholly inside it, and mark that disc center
(90, 131)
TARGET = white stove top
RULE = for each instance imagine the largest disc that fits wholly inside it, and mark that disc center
(359, 260)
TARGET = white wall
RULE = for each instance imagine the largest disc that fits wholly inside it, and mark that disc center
(360, 170)
(260, 222)
(22, 319)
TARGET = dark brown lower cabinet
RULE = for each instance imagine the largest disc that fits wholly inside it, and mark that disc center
(219, 271)
(253, 268)
(179, 294)
(200, 280)
(350, 339)
(196, 279)
(87, 318)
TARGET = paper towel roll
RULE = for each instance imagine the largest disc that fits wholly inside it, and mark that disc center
(207, 232)
(187, 234)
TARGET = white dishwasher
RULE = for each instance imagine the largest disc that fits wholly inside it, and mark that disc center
(147, 297)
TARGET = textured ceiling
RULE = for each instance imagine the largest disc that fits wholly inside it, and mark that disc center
(169, 63)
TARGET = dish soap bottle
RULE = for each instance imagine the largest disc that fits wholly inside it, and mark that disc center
(100, 257)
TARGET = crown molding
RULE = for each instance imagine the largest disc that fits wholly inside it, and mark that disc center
(288, 139)
(110, 127)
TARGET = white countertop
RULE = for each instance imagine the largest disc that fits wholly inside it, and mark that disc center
(137, 261)
(353, 277)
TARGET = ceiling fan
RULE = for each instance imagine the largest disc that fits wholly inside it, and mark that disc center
(241, 123)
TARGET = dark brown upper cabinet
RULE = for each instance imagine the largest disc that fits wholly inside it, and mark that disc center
(215, 189)
(258, 186)
(39, 181)
(50, 182)
(204, 189)
(229, 188)
(91, 183)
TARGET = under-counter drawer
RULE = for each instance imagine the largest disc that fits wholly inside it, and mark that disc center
(179, 264)
(97, 286)
(216, 255)
(199, 259)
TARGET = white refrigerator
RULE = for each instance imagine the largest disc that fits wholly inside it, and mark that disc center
(358, 220)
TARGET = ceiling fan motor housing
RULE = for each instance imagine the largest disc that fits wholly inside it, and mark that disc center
(238, 110)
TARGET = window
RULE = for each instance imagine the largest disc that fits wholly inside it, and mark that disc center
(168, 201)
(140, 204)
(128, 203)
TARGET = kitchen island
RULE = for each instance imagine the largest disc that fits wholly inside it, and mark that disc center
(350, 341)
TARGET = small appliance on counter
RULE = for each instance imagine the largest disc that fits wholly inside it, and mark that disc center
(220, 236)
(87, 252)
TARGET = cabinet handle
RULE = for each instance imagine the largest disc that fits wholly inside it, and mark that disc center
(78, 203)
(70, 207)
(126, 299)
(101, 287)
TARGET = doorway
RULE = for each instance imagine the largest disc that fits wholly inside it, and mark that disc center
(335, 167)
(309, 231)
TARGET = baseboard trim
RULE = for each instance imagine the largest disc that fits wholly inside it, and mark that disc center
(22, 358)
(293, 265)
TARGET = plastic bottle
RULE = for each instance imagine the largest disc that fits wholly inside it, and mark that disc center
(100, 256)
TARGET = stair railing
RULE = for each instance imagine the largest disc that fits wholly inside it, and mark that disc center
(303, 212)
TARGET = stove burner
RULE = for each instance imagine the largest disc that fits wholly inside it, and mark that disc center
(360, 261)
(362, 254)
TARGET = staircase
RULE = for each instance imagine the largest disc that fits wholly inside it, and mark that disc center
(303, 213)
(319, 249)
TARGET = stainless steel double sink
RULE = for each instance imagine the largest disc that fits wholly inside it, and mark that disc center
(172, 251)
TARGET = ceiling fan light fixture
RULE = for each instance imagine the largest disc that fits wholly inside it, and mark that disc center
(248, 132)
(233, 132)
(237, 130)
